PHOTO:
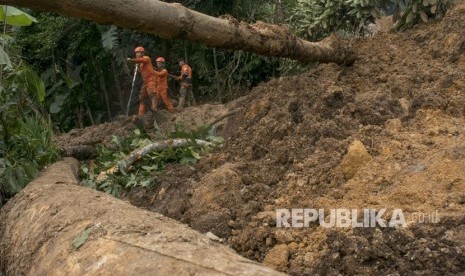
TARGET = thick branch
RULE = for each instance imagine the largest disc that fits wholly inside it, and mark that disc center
(173, 21)
(219, 119)
(141, 152)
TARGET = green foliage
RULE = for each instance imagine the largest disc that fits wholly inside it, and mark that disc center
(415, 11)
(144, 172)
(25, 149)
(77, 68)
(316, 19)
(26, 146)
(110, 42)
(15, 17)
(4, 57)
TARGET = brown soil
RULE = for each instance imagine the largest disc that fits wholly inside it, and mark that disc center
(403, 98)
(189, 119)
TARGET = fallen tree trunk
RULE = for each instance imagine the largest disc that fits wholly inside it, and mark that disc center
(80, 152)
(174, 21)
(55, 227)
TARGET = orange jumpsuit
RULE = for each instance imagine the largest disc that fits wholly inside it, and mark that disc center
(162, 88)
(186, 87)
(148, 89)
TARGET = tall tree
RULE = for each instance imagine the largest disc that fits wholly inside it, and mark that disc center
(174, 21)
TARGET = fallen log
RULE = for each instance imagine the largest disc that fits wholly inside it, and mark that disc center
(80, 152)
(174, 21)
(56, 227)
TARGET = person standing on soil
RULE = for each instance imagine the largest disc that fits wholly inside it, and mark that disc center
(162, 84)
(186, 85)
(148, 90)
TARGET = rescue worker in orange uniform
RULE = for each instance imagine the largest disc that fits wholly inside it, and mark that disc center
(186, 85)
(148, 90)
(162, 84)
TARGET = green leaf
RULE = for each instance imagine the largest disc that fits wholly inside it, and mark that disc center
(36, 84)
(54, 87)
(55, 107)
(409, 18)
(215, 139)
(423, 16)
(187, 161)
(15, 17)
(117, 140)
(31, 171)
(5, 59)
(110, 38)
(146, 183)
(105, 184)
(195, 154)
(5, 39)
(434, 8)
(81, 238)
(150, 168)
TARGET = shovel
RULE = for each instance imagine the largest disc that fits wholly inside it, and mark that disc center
(132, 89)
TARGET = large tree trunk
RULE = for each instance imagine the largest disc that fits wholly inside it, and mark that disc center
(173, 21)
(55, 227)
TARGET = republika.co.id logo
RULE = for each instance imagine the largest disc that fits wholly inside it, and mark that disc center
(342, 217)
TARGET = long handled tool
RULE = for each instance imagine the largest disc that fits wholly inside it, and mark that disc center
(132, 89)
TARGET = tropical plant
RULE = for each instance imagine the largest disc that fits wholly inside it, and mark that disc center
(25, 127)
(316, 19)
(414, 11)
(83, 68)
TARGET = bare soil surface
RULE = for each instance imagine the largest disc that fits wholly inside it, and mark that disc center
(386, 132)
(190, 118)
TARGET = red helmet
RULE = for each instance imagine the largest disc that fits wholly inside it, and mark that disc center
(160, 59)
(139, 49)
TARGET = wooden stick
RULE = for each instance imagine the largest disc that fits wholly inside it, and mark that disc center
(123, 165)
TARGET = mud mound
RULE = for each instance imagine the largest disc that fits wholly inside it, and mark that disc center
(96, 134)
(190, 118)
(403, 99)
(368, 251)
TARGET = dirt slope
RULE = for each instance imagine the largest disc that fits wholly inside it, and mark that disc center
(290, 146)
(190, 118)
